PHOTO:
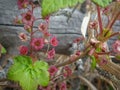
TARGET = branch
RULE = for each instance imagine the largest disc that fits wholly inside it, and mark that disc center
(69, 61)
(87, 82)
(99, 19)
(116, 15)
(10, 86)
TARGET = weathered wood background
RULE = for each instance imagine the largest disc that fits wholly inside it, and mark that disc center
(65, 32)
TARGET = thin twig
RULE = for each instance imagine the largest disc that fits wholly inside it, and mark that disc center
(73, 11)
(3, 80)
(99, 19)
(69, 61)
(10, 86)
(92, 87)
(87, 82)
(108, 81)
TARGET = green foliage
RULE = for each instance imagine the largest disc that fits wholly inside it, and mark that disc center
(110, 88)
(117, 57)
(105, 35)
(93, 63)
(102, 3)
(118, 37)
(98, 50)
(29, 75)
(3, 50)
(50, 6)
(106, 32)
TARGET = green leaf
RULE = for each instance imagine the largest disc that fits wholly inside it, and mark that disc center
(102, 3)
(26, 60)
(27, 82)
(3, 50)
(106, 32)
(50, 6)
(29, 75)
(93, 63)
(42, 77)
(41, 65)
(42, 73)
(98, 50)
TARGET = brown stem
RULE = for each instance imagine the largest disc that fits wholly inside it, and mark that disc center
(83, 79)
(115, 16)
(34, 31)
(10, 85)
(99, 18)
(4, 79)
(38, 19)
(103, 53)
(31, 35)
(54, 78)
(92, 87)
(69, 61)
(114, 34)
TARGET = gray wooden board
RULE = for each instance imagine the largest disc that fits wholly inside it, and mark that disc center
(58, 26)
(9, 39)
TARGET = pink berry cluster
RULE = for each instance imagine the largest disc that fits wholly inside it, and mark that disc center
(28, 19)
(36, 43)
(53, 70)
(116, 46)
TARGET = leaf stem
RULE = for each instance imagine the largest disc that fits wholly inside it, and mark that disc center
(99, 19)
(31, 34)
(110, 24)
(114, 34)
